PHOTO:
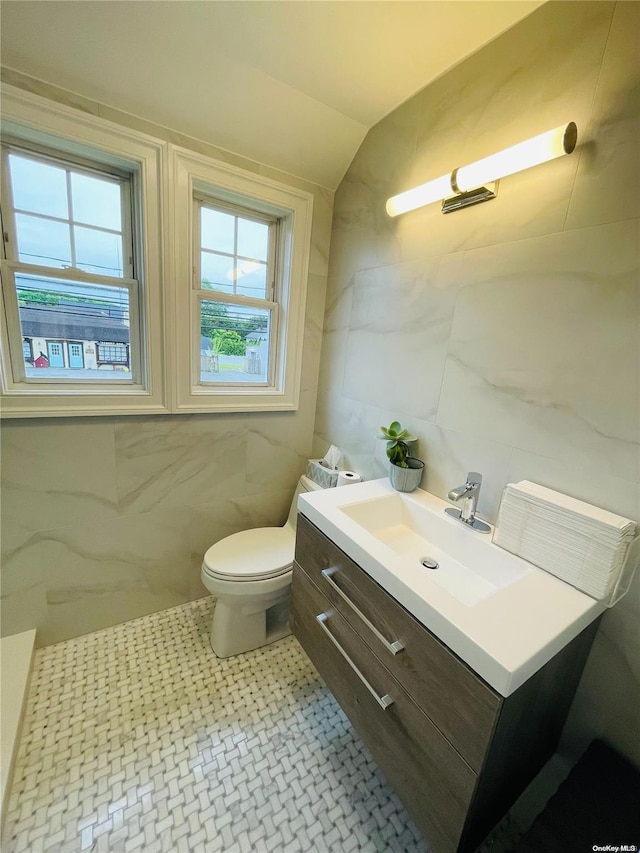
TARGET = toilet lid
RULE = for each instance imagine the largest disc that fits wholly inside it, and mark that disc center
(261, 553)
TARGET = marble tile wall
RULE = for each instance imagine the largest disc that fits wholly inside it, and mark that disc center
(506, 336)
(106, 519)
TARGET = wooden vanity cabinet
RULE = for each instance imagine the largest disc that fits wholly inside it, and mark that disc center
(456, 752)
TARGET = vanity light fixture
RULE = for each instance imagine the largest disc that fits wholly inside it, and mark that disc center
(468, 183)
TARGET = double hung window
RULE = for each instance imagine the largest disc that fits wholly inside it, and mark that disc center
(235, 270)
(81, 263)
(140, 277)
(240, 256)
(69, 268)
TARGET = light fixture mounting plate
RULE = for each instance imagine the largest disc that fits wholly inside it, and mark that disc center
(466, 199)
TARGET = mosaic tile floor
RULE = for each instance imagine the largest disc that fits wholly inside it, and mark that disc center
(138, 739)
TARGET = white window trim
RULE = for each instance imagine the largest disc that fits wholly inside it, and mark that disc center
(191, 173)
(32, 118)
(167, 178)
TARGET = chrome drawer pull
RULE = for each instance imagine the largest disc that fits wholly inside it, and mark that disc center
(394, 646)
(383, 701)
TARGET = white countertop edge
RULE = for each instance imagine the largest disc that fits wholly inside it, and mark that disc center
(497, 663)
(16, 661)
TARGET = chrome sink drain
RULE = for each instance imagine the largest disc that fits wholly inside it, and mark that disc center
(429, 563)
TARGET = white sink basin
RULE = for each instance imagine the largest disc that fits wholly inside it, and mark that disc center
(468, 566)
(503, 616)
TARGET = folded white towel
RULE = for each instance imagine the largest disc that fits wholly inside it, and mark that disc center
(580, 543)
(516, 512)
(544, 496)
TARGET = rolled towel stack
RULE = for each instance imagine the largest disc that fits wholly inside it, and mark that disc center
(577, 542)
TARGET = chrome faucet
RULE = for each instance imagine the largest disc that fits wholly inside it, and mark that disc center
(468, 494)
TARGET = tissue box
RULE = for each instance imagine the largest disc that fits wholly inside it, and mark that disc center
(317, 472)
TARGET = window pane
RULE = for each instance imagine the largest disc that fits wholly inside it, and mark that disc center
(217, 230)
(253, 239)
(216, 272)
(65, 324)
(96, 201)
(43, 241)
(98, 251)
(110, 352)
(234, 343)
(251, 279)
(38, 187)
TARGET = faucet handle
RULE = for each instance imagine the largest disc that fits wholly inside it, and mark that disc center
(470, 492)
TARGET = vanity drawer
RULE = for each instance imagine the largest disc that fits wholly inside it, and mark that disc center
(460, 704)
(433, 781)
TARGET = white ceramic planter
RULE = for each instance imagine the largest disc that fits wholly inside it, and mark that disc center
(406, 479)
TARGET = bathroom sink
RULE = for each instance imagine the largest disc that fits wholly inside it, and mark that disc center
(503, 616)
(461, 562)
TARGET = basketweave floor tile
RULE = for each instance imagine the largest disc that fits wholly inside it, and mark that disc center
(137, 737)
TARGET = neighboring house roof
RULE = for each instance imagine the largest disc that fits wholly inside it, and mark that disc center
(71, 324)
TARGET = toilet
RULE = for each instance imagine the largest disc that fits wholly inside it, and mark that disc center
(250, 573)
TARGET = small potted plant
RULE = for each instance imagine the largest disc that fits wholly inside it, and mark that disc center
(405, 471)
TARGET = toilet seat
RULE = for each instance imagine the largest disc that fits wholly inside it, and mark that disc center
(258, 554)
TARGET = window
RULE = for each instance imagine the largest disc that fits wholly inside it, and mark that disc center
(113, 353)
(235, 280)
(70, 242)
(240, 273)
(80, 264)
(139, 277)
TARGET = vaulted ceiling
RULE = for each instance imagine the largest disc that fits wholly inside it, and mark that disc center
(294, 84)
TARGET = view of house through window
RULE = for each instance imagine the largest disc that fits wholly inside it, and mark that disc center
(236, 260)
(73, 268)
(73, 330)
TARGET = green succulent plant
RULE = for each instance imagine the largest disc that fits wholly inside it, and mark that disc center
(397, 447)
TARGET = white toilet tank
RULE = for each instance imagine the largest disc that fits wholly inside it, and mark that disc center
(304, 485)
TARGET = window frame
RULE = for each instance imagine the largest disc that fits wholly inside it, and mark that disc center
(46, 128)
(81, 166)
(201, 199)
(195, 176)
(202, 294)
(166, 177)
(13, 266)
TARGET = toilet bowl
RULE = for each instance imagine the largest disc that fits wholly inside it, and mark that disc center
(250, 573)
